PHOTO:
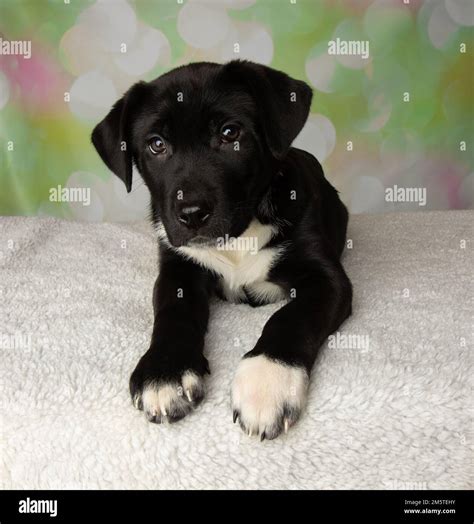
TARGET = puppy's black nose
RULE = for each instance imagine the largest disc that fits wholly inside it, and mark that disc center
(193, 217)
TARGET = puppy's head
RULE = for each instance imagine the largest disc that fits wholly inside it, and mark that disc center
(206, 138)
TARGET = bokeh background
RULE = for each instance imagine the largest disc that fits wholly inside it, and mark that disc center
(415, 47)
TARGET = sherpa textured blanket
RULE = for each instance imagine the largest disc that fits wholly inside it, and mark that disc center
(389, 406)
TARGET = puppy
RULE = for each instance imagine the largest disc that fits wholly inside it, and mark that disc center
(238, 213)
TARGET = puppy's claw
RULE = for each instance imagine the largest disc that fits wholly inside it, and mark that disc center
(189, 396)
(286, 425)
(137, 402)
(262, 437)
(235, 416)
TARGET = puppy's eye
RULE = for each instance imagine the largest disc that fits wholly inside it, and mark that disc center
(230, 132)
(157, 145)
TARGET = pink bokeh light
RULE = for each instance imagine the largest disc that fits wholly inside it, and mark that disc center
(38, 83)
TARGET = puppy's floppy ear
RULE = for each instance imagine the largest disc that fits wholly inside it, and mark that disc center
(111, 136)
(283, 103)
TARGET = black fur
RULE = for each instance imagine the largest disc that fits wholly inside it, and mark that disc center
(233, 187)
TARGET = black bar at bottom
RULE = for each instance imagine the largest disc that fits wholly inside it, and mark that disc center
(396, 506)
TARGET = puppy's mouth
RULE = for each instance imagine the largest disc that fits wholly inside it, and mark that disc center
(201, 241)
(211, 237)
(197, 241)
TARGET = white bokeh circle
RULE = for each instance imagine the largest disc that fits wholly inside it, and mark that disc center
(255, 43)
(318, 137)
(311, 139)
(320, 71)
(347, 30)
(109, 200)
(112, 22)
(440, 26)
(94, 212)
(150, 47)
(461, 11)
(123, 206)
(368, 195)
(82, 50)
(203, 25)
(92, 96)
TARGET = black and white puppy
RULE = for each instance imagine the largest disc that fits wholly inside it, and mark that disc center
(241, 214)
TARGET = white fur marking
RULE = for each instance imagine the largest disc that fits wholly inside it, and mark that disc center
(240, 267)
(262, 387)
(266, 291)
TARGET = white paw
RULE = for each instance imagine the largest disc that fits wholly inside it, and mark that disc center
(170, 401)
(268, 396)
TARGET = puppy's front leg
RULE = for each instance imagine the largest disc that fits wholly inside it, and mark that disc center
(270, 386)
(168, 380)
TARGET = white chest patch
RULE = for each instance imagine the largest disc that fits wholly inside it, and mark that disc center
(242, 261)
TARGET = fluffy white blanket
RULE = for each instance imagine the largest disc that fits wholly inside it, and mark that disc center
(391, 408)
